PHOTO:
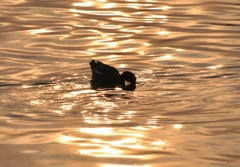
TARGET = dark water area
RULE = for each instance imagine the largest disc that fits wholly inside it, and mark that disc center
(184, 111)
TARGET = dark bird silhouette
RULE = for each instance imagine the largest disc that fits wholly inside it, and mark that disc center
(105, 76)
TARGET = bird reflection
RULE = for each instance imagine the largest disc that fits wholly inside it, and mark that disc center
(108, 77)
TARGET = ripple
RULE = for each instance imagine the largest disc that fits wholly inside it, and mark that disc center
(185, 56)
(27, 122)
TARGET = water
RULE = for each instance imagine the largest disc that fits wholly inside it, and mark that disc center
(184, 112)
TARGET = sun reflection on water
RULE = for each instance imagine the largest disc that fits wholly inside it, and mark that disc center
(66, 106)
(102, 131)
(109, 142)
(100, 138)
(59, 112)
(113, 142)
(214, 67)
(178, 126)
(103, 41)
(36, 102)
(111, 165)
(105, 151)
(39, 31)
(109, 5)
(163, 32)
(67, 139)
(84, 4)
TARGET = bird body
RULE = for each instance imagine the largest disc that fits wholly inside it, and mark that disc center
(106, 76)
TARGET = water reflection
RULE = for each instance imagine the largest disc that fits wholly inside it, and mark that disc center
(39, 31)
(186, 103)
(106, 41)
(178, 126)
(112, 165)
(113, 142)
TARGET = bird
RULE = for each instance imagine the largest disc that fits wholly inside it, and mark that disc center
(106, 76)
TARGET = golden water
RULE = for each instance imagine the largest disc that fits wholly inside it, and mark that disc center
(184, 112)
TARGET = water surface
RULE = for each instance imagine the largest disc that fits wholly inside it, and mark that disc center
(184, 112)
